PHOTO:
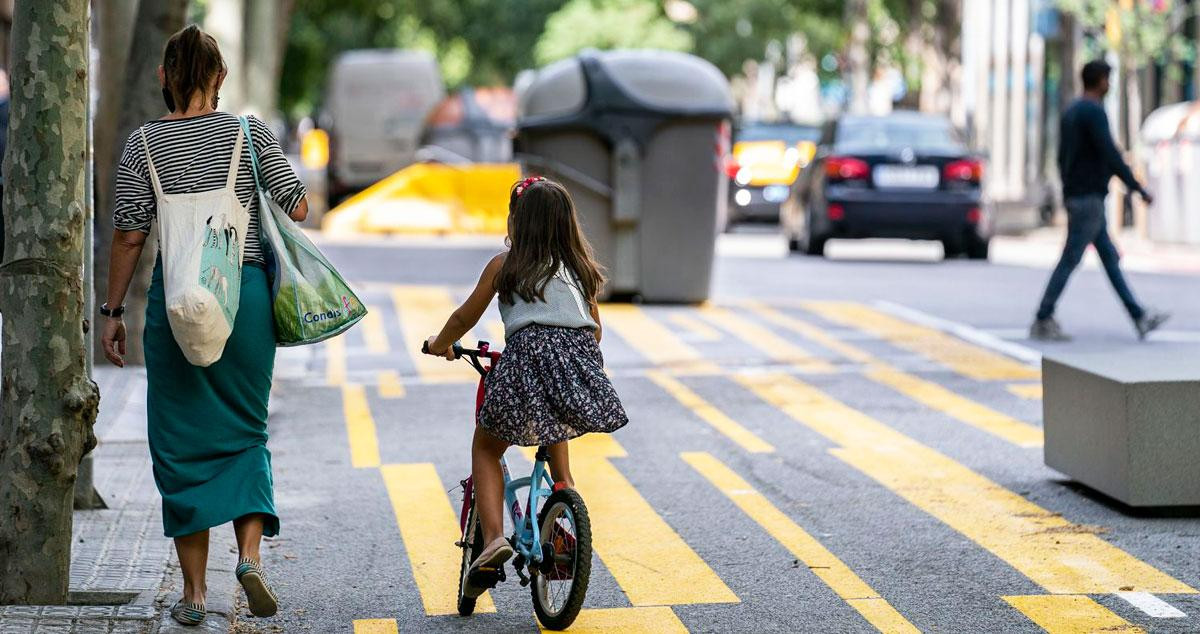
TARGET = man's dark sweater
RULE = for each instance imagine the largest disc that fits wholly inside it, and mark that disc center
(1087, 156)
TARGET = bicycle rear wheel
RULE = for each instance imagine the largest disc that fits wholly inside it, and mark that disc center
(562, 582)
(472, 544)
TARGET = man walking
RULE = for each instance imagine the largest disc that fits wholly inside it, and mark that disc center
(1087, 159)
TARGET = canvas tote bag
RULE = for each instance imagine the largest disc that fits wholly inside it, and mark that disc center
(202, 236)
(309, 299)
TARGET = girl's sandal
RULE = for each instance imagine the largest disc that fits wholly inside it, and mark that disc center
(188, 613)
(259, 595)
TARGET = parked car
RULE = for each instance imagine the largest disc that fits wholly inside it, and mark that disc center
(903, 175)
(376, 106)
(763, 164)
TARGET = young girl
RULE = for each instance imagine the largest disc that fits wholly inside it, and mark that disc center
(549, 386)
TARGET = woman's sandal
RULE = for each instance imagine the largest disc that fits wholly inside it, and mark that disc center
(262, 599)
(188, 613)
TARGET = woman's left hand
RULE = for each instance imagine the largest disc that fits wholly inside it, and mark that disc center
(113, 340)
(448, 352)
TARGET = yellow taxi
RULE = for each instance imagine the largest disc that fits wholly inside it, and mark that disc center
(765, 160)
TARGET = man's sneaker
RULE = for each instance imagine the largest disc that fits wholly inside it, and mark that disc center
(1149, 322)
(487, 568)
(1047, 330)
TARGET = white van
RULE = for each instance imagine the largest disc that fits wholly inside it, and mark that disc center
(376, 104)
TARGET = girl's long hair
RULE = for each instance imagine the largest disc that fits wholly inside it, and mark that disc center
(191, 63)
(544, 233)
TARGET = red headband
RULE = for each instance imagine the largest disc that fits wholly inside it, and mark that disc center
(523, 185)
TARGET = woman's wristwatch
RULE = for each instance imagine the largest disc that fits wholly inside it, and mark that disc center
(112, 312)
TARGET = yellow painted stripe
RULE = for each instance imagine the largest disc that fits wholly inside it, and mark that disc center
(763, 339)
(926, 392)
(373, 331)
(710, 414)
(652, 340)
(695, 328)
(423, 310)
(1071, 614)
(649, 560)
(335, 360)
(1032, 391)
(824, 564)
(375, 626)
(390, 385)
(962, 357)
(650, 620)
(360, 426)
(429, 528)
(1062, 557)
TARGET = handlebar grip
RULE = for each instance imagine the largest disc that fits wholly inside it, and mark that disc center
(457, 348)
(424, 347)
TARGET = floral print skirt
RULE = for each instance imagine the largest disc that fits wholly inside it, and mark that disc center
(549, 386)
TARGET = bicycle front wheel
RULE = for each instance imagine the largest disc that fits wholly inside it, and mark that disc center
(562, 581)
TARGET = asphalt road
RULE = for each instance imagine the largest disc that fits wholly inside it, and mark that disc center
(808, 452)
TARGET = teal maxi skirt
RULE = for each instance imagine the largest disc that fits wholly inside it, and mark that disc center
(208, 426)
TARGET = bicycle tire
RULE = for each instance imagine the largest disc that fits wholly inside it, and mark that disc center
(472, 544)
(564, 617)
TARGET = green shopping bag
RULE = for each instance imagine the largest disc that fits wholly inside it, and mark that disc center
(310, 300)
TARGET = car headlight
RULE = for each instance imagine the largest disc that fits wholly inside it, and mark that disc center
(742, 197)
(743, 176)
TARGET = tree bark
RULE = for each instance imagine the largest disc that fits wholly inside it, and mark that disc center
(226, 21)
(49, 403)
(263, 57)
(857, 72)
(113, 21)
(156, 21)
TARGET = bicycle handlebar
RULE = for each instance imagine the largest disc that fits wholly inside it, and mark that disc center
(473, 354)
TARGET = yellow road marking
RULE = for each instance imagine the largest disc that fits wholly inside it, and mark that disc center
(360, 427)
(373, 331)
(698, 330)
(375, 626)
(756, 336)
(649, 620)
(1062, 557)
(962, 357)
(1071, 614)
(1032, 391)
(653, 340)
(649, 560)
(710, 414)
(390, 385)
(824, 564)
(926, 392)
(335, 360)
(423, 310)
(429, 528)
(495, 331)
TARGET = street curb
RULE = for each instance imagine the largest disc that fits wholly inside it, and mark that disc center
(222, 588)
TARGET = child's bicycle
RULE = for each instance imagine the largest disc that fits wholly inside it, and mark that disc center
(556, 549)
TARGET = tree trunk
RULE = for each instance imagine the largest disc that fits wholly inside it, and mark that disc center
(263, 57)
(142, 101)
(226, 21)
(113, 22)
(48, 402)
(857, 72)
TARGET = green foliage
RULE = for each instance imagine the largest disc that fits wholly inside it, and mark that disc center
(1149, 31)
(608, 24)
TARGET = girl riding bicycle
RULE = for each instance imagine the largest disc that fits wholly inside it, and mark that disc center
(549, 386)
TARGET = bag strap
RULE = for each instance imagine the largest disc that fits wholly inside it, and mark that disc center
(158, 191)
(245, 122)
(235, 162)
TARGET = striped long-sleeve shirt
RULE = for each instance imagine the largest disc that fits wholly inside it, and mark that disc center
(192, 155)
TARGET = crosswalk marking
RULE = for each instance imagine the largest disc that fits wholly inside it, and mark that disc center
(646, 620)
(695, 328)
(824, 564)
(429, 527)
(423, 311)
(360, 427)
(964, 358)
(649, 560)
(653, 340)
(926, 392)
(1071, 614)
(375, 626)
(1152, 605)
(374, 332)
(709, 414)
(390, 385)
(1062, 557)
(335, 360)
(775, 347)
(1031, 391)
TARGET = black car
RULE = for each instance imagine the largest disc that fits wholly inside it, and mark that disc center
(903, 175)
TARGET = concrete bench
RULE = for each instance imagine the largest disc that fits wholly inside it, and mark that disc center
(1126, 423)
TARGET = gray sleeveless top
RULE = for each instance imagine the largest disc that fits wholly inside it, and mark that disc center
(565, 307)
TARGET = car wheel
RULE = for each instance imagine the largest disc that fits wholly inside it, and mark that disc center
(793, 244)
(977, 248)
(808, 243)
(952, 248)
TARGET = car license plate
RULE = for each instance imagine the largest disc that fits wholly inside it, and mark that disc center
(775, 193)
(906, 176)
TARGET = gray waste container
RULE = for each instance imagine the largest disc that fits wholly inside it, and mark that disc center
(638, 138)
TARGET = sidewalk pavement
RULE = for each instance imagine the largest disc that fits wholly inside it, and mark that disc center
(124, 573)
(1041, 248)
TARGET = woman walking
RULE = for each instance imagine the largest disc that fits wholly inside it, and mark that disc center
(207, 425)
